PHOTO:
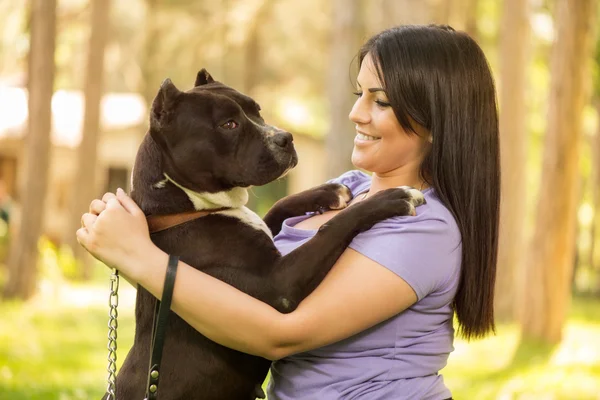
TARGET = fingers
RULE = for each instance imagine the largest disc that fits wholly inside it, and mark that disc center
(87, 220)
(97, 206)
(113, 203)
(108, 196)
(82, 237)
(128, 203)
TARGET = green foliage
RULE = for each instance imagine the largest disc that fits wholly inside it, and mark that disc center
(4, 240)
(57, 261)
(262, 198)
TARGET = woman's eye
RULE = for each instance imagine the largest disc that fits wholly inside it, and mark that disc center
(357, 93)
(230, 125)
(382, 103)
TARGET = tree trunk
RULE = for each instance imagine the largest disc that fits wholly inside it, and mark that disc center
(22, 262)
(253, 47)
(151, 58)
(471, 18)
(87, 157)
(462, 15)
(389, 13)
(595, 183)
(514, 47)
(223, 73)
(346, 39)
(549, 271)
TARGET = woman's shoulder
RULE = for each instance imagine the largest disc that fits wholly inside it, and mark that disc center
(435, 212)
(424, 250)
(432, 217)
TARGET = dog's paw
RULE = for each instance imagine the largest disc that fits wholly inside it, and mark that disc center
(388, 203)
(344, 195)
(331, 196)
(415, 198)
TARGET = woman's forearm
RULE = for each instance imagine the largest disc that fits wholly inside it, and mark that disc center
(217, 310)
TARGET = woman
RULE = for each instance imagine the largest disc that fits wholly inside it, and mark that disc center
(380, 325)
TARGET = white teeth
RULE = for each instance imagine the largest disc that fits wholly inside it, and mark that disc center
(362, 136)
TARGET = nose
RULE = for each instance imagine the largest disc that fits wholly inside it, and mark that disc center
(359, 114)
(283, 139)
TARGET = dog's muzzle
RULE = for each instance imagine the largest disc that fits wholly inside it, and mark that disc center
(281, 145)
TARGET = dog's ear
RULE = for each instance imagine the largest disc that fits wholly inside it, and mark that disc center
(164, 101)
(203, 78)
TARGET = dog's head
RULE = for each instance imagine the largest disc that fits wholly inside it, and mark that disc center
(213, 138)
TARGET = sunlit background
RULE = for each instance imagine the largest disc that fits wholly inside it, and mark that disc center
(90, 68)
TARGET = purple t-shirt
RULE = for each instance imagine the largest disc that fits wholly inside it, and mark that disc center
(399, 358)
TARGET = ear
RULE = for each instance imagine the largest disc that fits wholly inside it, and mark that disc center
(203, 78)
(164, 101)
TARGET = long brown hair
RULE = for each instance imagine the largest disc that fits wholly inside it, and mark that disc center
(441, 79)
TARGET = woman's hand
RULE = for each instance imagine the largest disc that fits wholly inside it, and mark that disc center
(115, 232)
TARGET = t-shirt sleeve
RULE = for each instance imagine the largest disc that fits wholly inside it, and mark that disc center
(423, 252)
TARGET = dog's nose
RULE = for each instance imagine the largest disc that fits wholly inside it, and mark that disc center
(283, 139)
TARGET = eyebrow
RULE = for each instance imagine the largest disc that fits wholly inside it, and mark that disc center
(372, 90)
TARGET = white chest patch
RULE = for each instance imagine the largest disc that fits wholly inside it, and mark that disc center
(234, 199)
(248, 217)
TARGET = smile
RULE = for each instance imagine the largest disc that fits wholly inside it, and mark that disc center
(362, 136)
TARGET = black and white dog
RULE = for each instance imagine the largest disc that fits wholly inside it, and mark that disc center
(204, 148)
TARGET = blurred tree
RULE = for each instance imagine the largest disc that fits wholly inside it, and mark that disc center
(595, 175)
(345, 42)
(253, 47)
(550, 266)
(383, 14)
(514, 47)
(462, 15)
(151, 54)
(87, 153)
(470, 25)
(13, 41)
(593, 255)
(262, 196)
(22, 262)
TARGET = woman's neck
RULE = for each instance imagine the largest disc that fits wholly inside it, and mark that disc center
(394, 179)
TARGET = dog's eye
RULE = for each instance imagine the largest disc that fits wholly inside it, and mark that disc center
(231, 124)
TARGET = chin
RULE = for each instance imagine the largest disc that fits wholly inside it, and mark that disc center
(359, 161)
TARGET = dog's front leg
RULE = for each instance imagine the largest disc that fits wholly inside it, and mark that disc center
(329, 196)
(297, 274)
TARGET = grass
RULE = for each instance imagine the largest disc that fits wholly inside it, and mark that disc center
(54, 348)
(502, 368)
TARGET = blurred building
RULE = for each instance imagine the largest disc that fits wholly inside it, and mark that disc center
(123, 124)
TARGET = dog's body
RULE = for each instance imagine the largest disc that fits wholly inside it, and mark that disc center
(203, 148)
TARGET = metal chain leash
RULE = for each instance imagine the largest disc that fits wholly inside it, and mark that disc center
(113, 302)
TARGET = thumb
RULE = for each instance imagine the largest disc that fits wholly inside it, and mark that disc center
(128, 203)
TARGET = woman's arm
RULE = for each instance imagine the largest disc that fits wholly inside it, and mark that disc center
(357, 293)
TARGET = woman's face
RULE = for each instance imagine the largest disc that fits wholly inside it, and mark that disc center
(381, 145)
